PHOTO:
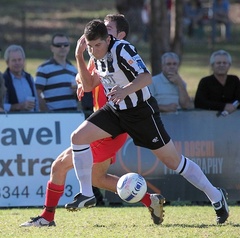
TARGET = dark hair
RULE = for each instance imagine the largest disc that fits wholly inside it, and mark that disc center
(95, 29)
(59, 35)
(121, 22)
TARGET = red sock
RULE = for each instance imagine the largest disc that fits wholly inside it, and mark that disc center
(146, 200)
(53, 194)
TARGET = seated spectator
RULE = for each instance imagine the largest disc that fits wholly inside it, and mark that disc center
(220, 9)
(193, 16)
(168, 87)
(21, 93)
(219, 90)
(2, 92)
(55, 79)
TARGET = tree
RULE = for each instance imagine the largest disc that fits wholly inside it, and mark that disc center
(161, 22)
(177, 45)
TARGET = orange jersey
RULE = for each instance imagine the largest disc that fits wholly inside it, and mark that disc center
(99, 97)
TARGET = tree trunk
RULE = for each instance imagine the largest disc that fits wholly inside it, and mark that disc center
(160, 31)
(177, 46)
(155, 40)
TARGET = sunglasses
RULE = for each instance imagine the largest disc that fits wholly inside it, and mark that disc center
(60, 45)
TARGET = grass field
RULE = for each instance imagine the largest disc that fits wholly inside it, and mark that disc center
(121, 222)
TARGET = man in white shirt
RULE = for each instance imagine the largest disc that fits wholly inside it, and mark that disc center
(168, 87)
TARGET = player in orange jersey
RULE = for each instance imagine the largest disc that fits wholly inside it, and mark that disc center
(104, 154)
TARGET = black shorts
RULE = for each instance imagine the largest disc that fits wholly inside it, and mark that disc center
(142, 123)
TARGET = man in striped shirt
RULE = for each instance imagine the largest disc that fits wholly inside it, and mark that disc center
(55, 79)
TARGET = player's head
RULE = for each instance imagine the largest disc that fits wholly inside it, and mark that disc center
(95, 29)
(97, 38)
(117, 25)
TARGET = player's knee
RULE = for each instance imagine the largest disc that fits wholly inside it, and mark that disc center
(74, 137)
(63, 163)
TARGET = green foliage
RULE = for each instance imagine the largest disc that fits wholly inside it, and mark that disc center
(32, 23)
(132, 222)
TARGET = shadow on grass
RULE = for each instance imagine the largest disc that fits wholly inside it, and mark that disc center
(201, 226)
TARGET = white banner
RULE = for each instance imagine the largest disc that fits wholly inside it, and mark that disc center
(29, 143)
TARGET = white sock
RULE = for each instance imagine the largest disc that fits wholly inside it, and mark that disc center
(82, 162)
(193, 173)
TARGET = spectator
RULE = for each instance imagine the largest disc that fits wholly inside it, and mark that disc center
(193, 16)
(21, 93)
(2, 92)
(219, 90)
(55, 79)
(220, 9)
(168, 87)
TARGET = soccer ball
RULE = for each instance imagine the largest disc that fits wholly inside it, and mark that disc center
(131, 187)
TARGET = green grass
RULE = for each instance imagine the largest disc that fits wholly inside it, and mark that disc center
(131, 222)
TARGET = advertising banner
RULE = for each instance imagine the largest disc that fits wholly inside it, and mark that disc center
(29, 145)
(212, 142)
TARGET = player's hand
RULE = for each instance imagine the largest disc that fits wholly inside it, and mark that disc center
(81, 46)
(117, 94)
(80, 92)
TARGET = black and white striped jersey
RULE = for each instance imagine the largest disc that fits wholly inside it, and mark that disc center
(122, 65)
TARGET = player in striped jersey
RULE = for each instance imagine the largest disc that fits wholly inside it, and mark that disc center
(131, 109)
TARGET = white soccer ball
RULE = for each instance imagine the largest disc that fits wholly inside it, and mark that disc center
(131, 187)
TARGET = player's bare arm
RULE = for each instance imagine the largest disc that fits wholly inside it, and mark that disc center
(89, 79)
(118, 94)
